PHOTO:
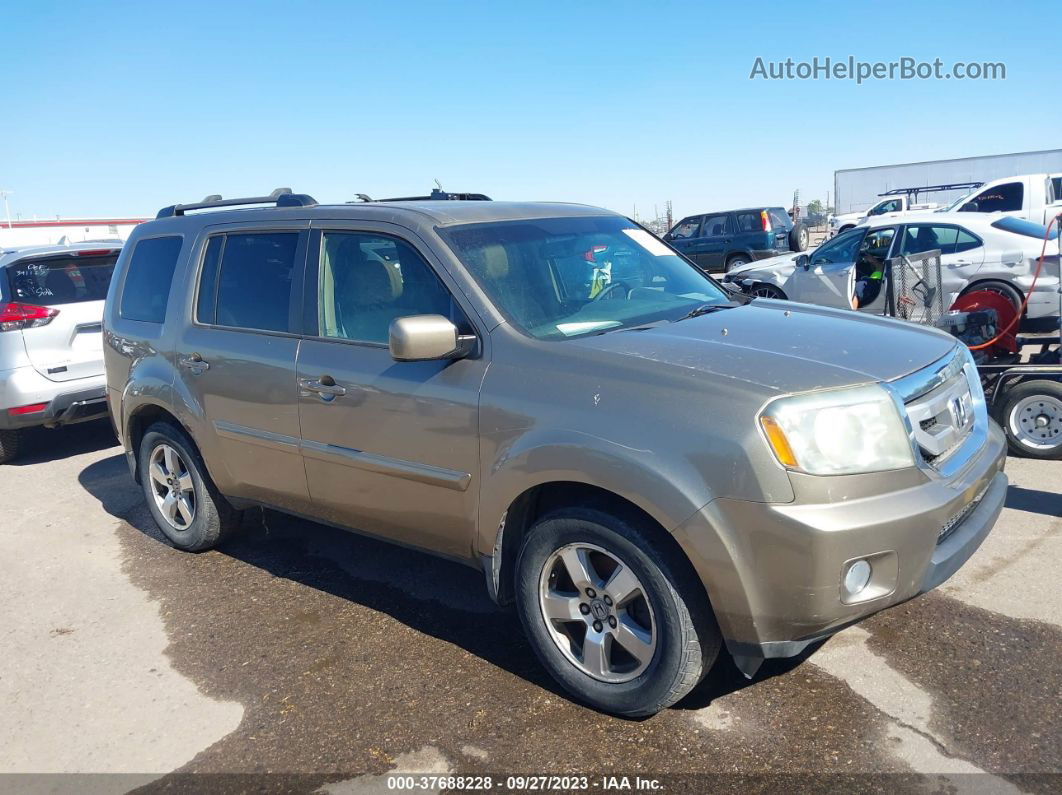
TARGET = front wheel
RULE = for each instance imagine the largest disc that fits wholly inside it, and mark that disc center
(615, 616)
(766, 291)
(1032, 417)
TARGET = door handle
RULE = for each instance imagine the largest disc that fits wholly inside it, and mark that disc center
(326, 387)
(193, 362)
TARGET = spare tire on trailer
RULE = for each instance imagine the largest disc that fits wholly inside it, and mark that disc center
(798, 237)
(1031, 415)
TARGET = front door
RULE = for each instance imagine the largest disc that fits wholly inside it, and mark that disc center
(237, 362)
(829, 276)
(391, 448)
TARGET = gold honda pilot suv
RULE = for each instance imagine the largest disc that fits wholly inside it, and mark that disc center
(651, 468)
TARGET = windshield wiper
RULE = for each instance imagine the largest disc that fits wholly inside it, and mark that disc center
(705, 309)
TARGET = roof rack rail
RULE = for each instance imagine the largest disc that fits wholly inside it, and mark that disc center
(281, 197)
(436, 195)
(932, 189)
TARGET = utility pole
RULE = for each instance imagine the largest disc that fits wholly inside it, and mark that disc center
(668, 205)
(7, 208)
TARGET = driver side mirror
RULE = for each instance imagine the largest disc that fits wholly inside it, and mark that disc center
(803, 261)
(419, 338)
(969, 207)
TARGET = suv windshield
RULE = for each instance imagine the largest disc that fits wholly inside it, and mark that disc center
(61, 280)
(564, 277)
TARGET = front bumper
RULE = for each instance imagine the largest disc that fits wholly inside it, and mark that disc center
(773, 571)
(67, 401)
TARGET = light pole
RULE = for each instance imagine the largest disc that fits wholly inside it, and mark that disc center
(7, 208)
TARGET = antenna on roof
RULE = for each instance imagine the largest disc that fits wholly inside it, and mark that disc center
(438, 185)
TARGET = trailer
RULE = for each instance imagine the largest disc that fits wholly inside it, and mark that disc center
(1020, 374)
(859, 189)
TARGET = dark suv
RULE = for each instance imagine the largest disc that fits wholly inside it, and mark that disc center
(724, 240)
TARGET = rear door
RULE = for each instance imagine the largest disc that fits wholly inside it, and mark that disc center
(236, 358)
(962, 253)
(715, 239)
(74, 285)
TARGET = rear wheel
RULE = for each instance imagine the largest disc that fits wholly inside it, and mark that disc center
(735, 261)
(10, 440)
(183, 501)
(1032, 417)
(798, 237)
(1008, 291)
(617, 618)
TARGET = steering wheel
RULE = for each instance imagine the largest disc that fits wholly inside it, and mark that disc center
(612, 287)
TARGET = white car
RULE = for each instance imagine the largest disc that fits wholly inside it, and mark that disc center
(51, 349)
(994, 253)
(891, 204)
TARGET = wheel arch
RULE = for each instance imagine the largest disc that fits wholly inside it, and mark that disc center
(542, 499)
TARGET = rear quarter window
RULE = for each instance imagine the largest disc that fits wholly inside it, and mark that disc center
(61, 280)
(146, 290)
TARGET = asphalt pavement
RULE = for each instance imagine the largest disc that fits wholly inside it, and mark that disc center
(301, 657)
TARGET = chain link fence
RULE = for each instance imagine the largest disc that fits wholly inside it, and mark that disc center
(915, 292)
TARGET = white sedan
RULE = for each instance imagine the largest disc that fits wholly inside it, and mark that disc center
(988, 253)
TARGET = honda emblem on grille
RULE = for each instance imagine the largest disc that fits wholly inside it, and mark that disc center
(959, 411)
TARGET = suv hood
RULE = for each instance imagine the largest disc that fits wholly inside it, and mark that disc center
(784, 347)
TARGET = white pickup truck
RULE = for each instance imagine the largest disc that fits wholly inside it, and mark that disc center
(890, 204)
(1034, 197)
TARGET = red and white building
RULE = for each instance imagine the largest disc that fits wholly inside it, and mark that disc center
(18, 234)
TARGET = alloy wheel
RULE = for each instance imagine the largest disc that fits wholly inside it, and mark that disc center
(172, 487)
(597, 612)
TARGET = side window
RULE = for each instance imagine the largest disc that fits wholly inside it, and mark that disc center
(206, 302)
(748, 222)
(966, 242)
(1056, 189)
(714, 225)
(779, 219)
(365, 281)
(1000, 199)
(146, 289)
(842, 249)
(874, 251)
(887, 206)
(254, 285)
(923, 237)
(686, 228)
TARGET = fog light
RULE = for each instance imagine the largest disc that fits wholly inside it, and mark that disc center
(857, 577)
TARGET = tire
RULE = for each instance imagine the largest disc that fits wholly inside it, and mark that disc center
(1008, 291)
(767, 291)
(798, 237)
(735, 261)
(1031, 415)
(211, 517)
(10, 441)
(669, 599)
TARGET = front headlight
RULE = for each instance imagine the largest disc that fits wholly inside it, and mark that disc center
(839, 432)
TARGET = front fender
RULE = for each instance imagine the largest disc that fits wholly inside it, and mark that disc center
(669, 491)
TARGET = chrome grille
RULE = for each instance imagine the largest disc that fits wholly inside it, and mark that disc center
(940, 407)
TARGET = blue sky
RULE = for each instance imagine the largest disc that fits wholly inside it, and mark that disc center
(119, 109)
